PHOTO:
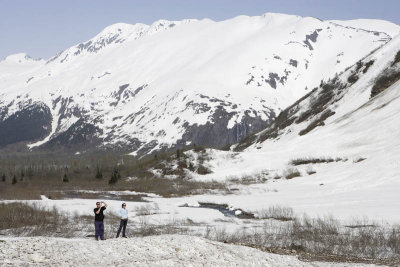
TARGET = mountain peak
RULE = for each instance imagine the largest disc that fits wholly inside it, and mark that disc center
(163, 24)
(377, 25)
(278, 15)
(17, 57)
(120, 27)
(20, 58)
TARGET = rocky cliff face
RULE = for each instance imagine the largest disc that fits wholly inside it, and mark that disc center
(30, 123)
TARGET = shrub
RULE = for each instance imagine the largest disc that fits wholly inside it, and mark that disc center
(226, 147)
(367, 65)
(319, 239)
(14, 180)
(310, 171)
(99, 174)
(14, 215)
(352, 78)
(384, 82)
(396, 58)
(115, 176)
(317, 122)
(198, 148)
(277, 177)
(178, 153)
(191, 167)
(146, 210)
(202, 170)
(291, 173)
(278, 213)
(357, 160)
(19, 191)
(359, 65)
(23, 219)
(310, 160)
(174, 187)
(305, 161)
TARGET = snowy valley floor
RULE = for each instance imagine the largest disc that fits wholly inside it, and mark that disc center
(178, 232)
(164, 250)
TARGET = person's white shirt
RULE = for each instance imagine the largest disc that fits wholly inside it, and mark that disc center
(123, 213)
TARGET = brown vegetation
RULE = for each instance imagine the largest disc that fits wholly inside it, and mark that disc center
(291, 173)
(352, 78)
(277, 213)
(323, 239)
(384, 82)
(23, 219)
(368, 65)
(305, 161)
(357, 160)
(396, 59)
(49, 174)
(317, 122)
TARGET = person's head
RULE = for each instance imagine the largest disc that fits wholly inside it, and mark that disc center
(98, 204)
(123, 205)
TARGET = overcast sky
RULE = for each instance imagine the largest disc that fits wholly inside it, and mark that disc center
(42, 28)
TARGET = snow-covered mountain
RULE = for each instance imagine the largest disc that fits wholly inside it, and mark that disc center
(334, 151)
(176, 83)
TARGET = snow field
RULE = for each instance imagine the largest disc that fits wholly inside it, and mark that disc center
(363, 133)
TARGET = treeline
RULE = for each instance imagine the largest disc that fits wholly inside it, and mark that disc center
(105, 166)
(57, 175)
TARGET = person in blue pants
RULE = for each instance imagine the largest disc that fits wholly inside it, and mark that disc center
(99, 220)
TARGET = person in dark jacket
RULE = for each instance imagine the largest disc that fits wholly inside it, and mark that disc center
(98, 220)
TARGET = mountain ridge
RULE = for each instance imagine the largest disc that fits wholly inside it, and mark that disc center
(197, 82)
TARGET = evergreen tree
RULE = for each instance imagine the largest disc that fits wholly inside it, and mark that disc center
(115, 176)
(191, 167)
(29, 173)
(99, 174)
(3, 178)
(65, 178)
(14, 180)
(178, 153)
(22, 175)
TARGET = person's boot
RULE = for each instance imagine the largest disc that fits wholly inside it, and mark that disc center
(97, 238)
